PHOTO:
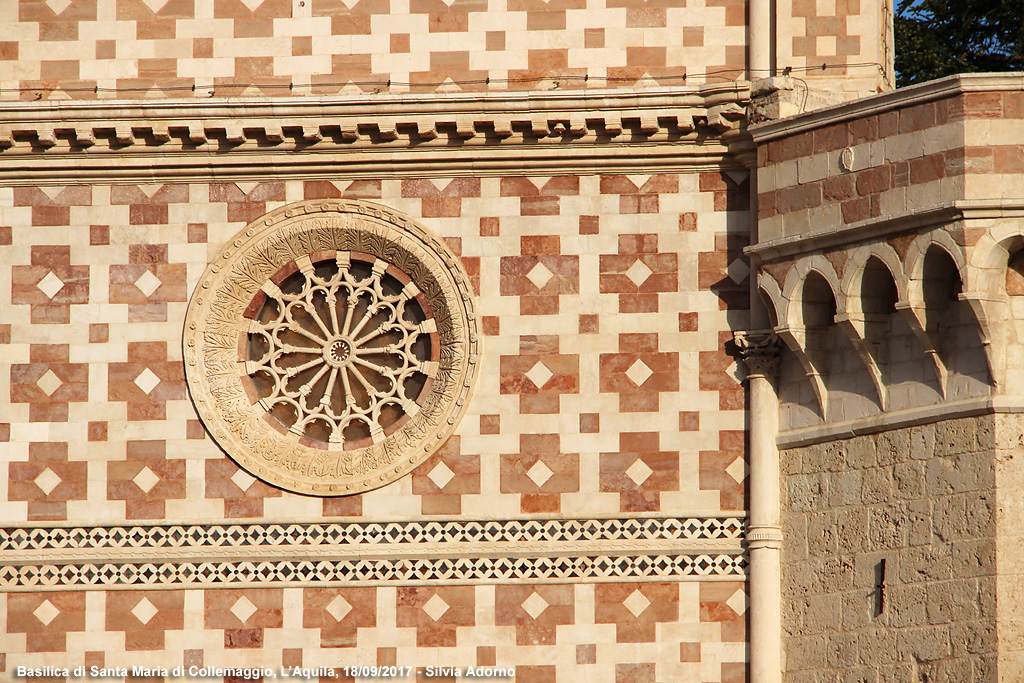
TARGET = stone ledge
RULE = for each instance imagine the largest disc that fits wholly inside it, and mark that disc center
(874, 228)
(904, 418)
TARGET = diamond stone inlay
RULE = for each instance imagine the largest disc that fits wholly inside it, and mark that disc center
(148, 283)
(539, 275)
(441, 475)
(47, 481)
(147, 381)
(144, 611)
(146, 479)
(638, 372)
(339, 608)
(49, 383)
(46, 612)
(737, 271)
(535, 605)
(243, 609)
(50, 285)
(154, 6)
(539, 374)
(737, 602)
(58, 6)
(636, 603)
(435, 607)
(639, 472)
(639, 272)
(737, 470)
(242, 480)
(539, 473)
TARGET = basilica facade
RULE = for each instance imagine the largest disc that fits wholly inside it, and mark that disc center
(633, 340)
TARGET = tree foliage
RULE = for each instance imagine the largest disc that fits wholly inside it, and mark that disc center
(936, 38)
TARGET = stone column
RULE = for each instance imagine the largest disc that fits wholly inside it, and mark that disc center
(760, 350)
(759, 35)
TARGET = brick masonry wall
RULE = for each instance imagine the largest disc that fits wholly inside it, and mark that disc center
(164, 48)
(550, 633)
(921, 155)
(850, 38)
(923, 500)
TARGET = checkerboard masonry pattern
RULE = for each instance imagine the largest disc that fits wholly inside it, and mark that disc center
(604, 392)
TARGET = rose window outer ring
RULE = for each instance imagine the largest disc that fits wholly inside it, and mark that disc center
(309, 399)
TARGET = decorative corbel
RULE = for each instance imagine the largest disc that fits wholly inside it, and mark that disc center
(796, 339)
(990, 312)
(915, 317)
(855, 329)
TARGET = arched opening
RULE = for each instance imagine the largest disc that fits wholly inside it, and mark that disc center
(907, 373)
(1014, 282)
(829, 363)
(951, 323)
(769, 307)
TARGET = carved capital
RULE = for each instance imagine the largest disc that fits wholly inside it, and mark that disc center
(760, 351)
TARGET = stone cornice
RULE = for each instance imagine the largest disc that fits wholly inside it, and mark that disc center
(486, 133)
(807, 436)
(951, 86)
(874, 228)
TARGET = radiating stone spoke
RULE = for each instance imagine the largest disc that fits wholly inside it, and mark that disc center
(325, 400)
(346, 363)
(291, 372)
(308, 386)
(309, 335)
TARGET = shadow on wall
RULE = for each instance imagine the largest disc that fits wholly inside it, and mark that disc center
(880, 332)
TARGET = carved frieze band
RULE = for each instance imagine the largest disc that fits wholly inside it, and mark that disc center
(404, 552)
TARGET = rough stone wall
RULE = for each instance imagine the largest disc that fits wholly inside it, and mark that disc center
(1010, 545)
(921, 499)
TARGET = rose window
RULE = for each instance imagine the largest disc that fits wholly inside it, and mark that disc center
(331, 346)
(340, 349)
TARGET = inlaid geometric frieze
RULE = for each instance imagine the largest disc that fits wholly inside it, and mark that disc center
(700, 566)
(298, 535)
(371, 553)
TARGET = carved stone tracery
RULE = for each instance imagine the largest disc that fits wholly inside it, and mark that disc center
(331, 347)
